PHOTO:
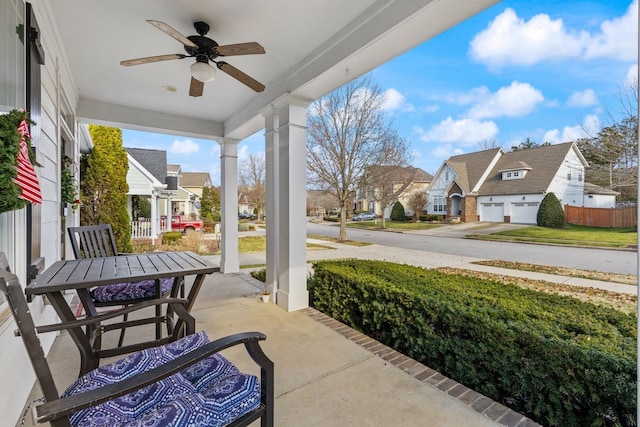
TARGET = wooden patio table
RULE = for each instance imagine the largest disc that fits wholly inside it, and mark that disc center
(81, 275)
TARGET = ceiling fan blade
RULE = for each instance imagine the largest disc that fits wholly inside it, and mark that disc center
(166, 28)
(150, 59)
(251, 48)
(196, 88)
(240, 76)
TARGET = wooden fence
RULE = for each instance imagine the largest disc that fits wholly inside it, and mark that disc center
(601, 217)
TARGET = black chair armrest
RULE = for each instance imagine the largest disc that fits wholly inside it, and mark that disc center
(64, 406)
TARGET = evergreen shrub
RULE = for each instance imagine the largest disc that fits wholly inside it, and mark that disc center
(397, 212)
(550, 212)
(555, 359)
(171, 237)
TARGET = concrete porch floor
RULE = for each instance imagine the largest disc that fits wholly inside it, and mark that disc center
(327, 374)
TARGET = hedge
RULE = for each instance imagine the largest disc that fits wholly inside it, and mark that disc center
(555, 359)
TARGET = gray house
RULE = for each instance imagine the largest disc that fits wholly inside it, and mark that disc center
(496, 186)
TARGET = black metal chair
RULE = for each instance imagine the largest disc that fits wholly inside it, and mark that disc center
(174, 384)
(97, 241)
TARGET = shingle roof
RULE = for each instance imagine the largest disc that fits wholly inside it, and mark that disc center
(470, 167)
(544, 162)
(402, 173)
(174, 169)
(154, 161)
(195, 179)
(590, 188)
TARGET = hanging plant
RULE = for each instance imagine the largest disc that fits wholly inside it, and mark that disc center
(9, 147)
(67, 181)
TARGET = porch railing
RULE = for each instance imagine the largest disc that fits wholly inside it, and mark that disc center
(141, 229)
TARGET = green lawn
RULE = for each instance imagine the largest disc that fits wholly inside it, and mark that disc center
(251, 244)
(570, 235)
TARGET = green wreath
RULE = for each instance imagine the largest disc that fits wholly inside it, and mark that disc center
(9, 148)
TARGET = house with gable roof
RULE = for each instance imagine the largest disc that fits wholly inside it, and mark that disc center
(403, 181)
(148, 179)
(192, 184)
(496, 186)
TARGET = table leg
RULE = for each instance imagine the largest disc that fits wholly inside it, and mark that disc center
(87, 361)
(191, 298)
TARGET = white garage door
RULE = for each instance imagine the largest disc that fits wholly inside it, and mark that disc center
(524, 212)
(492, 212)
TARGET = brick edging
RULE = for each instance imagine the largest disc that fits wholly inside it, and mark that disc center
(478, 402)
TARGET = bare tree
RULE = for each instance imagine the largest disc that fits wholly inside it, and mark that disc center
(488, 144)
(387, 183)
(252, 181)
(347, 132)
(613, 152)
(417, 201)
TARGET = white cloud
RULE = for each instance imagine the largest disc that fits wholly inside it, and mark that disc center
(394, 100)
(589, 127)
(518, 99)
(632, 76)
(463, 131)
(466, 98)
(585, 98)
(510, 40)
(243, 153)
(618, 38)
(443, 151)
(185, 146)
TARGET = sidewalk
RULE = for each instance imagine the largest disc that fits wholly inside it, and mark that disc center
(434, 260)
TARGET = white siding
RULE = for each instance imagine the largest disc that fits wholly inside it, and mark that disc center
(599, 201)
(438, 187)
(57, 95)
(569, 192)
(139, 183)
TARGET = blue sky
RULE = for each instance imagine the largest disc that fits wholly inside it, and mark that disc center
(547, 71)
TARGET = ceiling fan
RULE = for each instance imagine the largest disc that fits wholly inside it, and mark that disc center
(204, 50)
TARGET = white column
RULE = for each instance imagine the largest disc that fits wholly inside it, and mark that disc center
(271, 208)
(168, 212)
(154, 218)
(291, 201)
(229, 262)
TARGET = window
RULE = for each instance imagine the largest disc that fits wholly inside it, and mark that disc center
(508, 174)
(569, 176)
(439, 204)
(516, 174)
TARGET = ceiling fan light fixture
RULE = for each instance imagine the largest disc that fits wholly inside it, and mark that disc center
(201, 70)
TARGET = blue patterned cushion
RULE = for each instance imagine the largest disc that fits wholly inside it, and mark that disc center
(129, 291)
(210, 393)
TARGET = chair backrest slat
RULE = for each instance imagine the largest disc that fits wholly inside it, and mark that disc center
(93, 241)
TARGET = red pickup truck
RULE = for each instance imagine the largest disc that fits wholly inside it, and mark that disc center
(178, 224)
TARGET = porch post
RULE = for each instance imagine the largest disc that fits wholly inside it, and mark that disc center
(271, 209)
(229, 262)
(290, 200)
(154, 218)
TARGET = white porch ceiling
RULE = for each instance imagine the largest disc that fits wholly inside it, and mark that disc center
(312, 47)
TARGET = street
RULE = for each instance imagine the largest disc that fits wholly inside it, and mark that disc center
(604, 260)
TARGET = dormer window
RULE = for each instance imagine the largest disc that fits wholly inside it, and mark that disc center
(519, 174)
(515, 170)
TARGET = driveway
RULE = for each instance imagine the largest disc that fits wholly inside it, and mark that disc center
(462, 229)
